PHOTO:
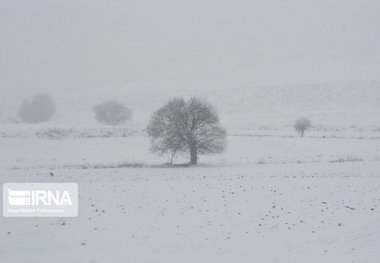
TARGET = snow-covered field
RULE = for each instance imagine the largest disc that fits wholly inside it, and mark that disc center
(270, 197)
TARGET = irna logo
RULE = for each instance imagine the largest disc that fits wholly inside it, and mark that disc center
(38, 197)
(40, 200)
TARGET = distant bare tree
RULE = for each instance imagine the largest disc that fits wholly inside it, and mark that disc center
(191, 126)
(40, 109)
(112, 112)
(302, 125)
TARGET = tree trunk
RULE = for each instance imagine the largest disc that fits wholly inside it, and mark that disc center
(302, 132)
(171, 159)
(193, 154)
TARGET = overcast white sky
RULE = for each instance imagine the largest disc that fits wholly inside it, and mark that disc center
(57, 45)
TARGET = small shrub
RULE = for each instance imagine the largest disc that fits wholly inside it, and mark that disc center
(40, 109)
(112, 113)
(261, 161)
(302, 125)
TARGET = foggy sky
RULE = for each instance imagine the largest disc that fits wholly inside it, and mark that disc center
(58, 45)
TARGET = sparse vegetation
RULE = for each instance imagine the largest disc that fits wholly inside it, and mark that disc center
(347, 159)
(261, 161)
(302, 125)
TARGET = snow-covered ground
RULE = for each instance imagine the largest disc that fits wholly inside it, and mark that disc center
(290, 207)
(270, 197)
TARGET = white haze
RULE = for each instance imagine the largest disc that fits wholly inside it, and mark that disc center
(111, 46)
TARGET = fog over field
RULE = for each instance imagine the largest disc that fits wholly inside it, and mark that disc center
(60, 46)
(105, 67)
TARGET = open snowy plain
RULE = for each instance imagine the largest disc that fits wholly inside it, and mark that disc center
(270, 197)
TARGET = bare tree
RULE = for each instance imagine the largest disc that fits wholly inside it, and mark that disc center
(40, 109)
(191, 126)
(302, 125)
(112, 112)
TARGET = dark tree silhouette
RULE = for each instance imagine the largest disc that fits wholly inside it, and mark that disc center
(191, 126)
(112, 113)
(302, 125)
